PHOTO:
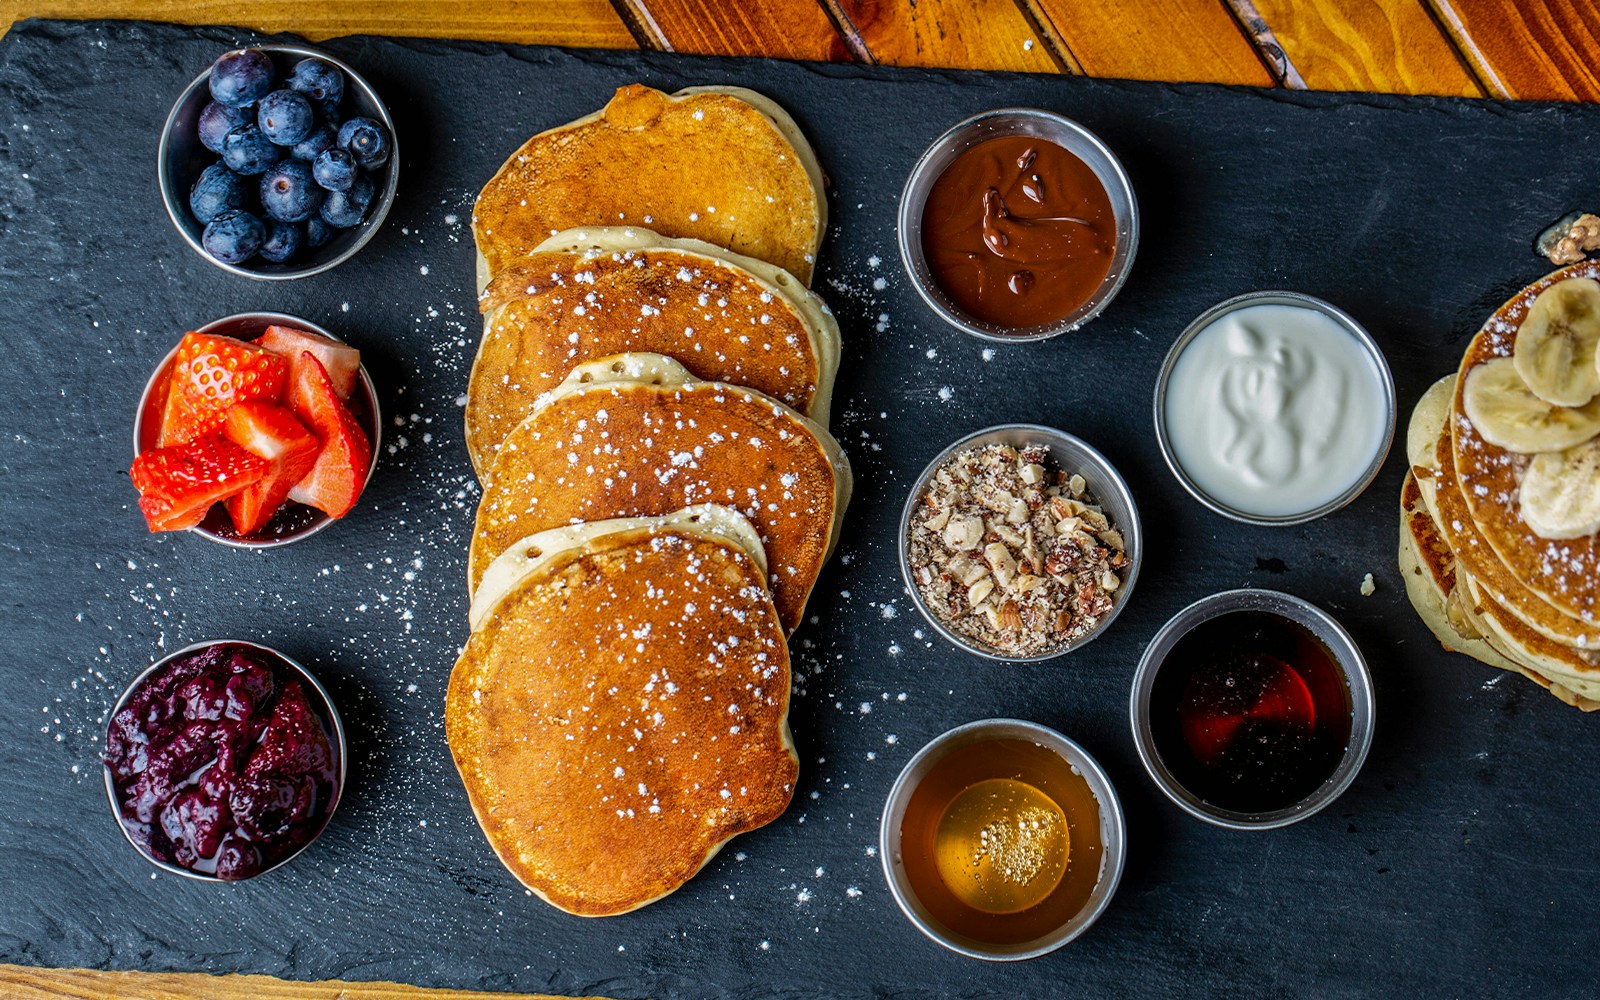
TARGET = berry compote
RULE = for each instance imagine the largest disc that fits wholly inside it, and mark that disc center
(221, 762)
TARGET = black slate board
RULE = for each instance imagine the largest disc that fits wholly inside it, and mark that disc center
(1461, 861)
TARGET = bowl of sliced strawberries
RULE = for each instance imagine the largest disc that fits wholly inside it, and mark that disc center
(257, 430)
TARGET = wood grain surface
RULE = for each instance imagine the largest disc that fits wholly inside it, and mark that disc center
(1528, 49)
(19, 982)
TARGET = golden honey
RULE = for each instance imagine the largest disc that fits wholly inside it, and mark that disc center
(1001, 841)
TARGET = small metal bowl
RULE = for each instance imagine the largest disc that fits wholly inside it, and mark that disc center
(1067, 134)
(1352, 667)
(1113, 837)
(180, 158)
(321, 702)
(1274, 298)
(1072, 455)
(294, 521)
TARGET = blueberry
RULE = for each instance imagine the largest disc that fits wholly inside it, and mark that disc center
(286, 117)
(217, 120)
(217, 190)
(247, 150)
(234, 236)
(334, 169)
(321, 82)
(284, 240)
(367, 141)
(241, 77)
(288, 192)
(318, 232)
(346, 209)
(322, 137)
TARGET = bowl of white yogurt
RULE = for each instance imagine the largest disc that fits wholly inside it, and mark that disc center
(1275, 408)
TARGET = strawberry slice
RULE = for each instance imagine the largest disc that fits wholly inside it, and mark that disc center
(210, 374)
(269, 432)
(177, 485)
(341, 361)
(334, 483)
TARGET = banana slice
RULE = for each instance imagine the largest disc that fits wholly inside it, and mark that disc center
(1561, 492)
(1555, 348)
(1507, 413)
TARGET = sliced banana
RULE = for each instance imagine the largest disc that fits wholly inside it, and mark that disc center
(1555, 348)
(1561, 492)
(1507, 414)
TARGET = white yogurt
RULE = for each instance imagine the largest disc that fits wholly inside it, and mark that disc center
(1276, 410)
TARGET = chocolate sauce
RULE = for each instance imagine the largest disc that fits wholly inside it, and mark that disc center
(1018, 231)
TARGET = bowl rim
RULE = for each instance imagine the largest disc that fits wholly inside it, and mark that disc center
(267, 319)
(338, 735)
(1113, 831)
(1132, 536)
(908, 217)
(1347, 657)
(1288, 298)
(369, 227)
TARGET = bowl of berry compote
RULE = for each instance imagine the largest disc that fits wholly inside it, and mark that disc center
(224, 760)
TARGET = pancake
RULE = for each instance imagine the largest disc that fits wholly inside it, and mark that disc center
(621, 713)
(591, 293)
(720, 164)
(636, 436)
(1562, 573)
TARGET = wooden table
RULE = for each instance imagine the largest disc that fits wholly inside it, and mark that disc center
(1525, 49)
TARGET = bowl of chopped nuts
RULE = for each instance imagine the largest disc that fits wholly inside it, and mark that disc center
(1020, 542)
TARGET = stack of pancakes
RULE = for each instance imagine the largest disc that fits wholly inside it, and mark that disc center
(1485, 582)
(647, 413)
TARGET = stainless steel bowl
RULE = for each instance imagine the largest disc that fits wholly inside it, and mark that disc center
(1070, 454)
(180, 158)
(297, 521)
(1062, 131)
(1113, 837)
(1274, 298)
(322, 702)
(1352, 667)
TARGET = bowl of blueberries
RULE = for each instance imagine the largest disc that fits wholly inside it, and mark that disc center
(278, 162)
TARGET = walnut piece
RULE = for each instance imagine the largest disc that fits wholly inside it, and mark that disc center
(1570, 239)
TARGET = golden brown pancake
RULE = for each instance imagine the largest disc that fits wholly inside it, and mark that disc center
(591, 293)
(621, 713)
(1564, 573)
(636, 436)
(1434, 468)
(720, 164)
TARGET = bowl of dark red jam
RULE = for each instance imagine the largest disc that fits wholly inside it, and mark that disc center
(1252, 709)
(224, 760)
(1018, 224)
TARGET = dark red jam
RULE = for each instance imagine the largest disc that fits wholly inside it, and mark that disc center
(222, 762)
(1250, 712)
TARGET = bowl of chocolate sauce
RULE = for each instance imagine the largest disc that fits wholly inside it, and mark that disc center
(1252, 709)
(1018, 224)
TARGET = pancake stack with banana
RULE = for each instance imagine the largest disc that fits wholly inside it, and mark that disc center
(1501, 509)
(648, 414)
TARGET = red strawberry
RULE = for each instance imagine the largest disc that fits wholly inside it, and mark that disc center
(210, 374)
(178, 485)
(269, 432)
(341, 470)
(341, 361)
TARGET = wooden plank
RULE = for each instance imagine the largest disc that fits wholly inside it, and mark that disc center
(785, 29)
(18, 982)
(1390, 46)
(1196, 40)
(1536, 50)
(971, 34)
(583, 23)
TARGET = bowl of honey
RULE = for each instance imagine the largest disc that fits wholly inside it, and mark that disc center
(1002, 840)
(1252, 709)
